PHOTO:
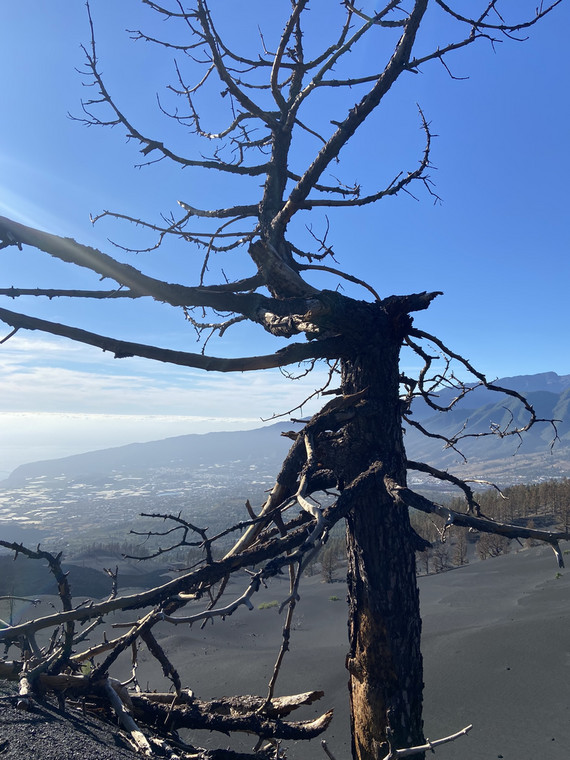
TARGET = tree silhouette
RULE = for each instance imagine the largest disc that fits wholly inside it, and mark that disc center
(284, 114)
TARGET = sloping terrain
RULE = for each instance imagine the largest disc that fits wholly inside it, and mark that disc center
(209, 477)
(495, 644)
(260, 451)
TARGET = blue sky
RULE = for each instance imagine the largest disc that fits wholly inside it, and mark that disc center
(498, 245)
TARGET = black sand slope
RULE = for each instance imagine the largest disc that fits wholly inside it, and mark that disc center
(497, 654)
(496, 651)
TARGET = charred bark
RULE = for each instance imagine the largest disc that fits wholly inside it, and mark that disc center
(384, 661)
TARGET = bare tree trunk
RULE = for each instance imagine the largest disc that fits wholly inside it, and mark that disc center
(384, 661)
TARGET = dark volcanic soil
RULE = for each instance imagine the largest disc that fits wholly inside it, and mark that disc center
(45, 733)
(496, 653)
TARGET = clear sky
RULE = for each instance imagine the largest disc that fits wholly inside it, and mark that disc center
(498, 245)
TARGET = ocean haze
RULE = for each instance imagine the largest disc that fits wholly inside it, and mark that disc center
(185, 452)
(36, 436)
(50, 443)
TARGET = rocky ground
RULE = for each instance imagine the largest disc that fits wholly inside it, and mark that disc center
(45, 732)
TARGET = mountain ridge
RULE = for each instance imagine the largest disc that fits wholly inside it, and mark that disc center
(204, 448)
(266, 447)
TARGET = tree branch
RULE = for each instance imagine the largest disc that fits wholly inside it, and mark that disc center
(55, 293)
(252, 305)
(501, 27)
(291, 354)
(411, 499)
(133, 133)
(355, 118)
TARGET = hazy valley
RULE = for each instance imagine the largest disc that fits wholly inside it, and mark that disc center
(99, 495)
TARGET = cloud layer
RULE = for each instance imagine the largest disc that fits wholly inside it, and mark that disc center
(58, 398)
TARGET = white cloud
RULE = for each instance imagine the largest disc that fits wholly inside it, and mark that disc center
(41, 375)
(58, 389)
(58, 398)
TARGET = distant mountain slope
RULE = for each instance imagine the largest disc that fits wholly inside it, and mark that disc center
(479, 397)
(264, 448)
(507, 413)
(250, 447)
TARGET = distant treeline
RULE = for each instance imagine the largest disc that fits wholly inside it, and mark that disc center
(143, 550)
(539, 505)
(547, 500)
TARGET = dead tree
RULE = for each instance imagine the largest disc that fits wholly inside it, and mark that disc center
(353, 448)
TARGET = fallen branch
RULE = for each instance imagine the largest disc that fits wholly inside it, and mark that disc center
(222, 612)
(429, 745)
(126, 720)
(24, 691)
(158, 652)
(193, 716)
(250, 714)
(278, 707)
